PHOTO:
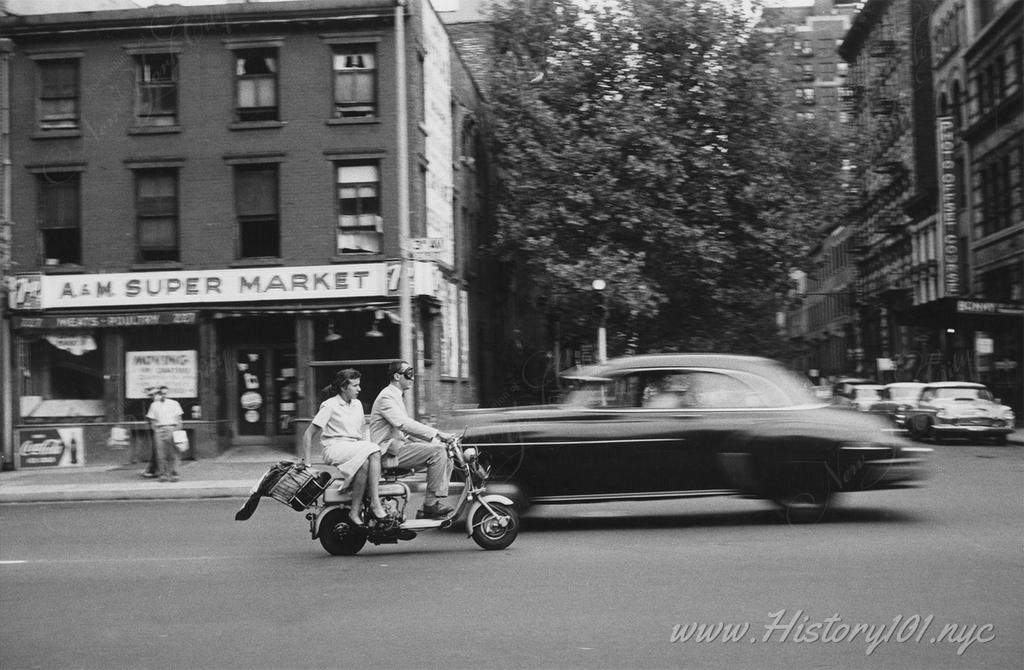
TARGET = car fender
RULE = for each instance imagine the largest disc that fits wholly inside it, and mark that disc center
(488, 498)
(320, 517)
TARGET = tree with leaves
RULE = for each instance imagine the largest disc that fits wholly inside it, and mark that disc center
(643, 142)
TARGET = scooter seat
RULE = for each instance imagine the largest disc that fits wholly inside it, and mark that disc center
(395, 473)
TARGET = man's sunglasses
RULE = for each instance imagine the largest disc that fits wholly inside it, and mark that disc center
(408, 373)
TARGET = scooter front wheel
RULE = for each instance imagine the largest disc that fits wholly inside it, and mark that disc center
(495, 531)
(340, 544)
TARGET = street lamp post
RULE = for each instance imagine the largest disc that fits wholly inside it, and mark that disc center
(602, 307)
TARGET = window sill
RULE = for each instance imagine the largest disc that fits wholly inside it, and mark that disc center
(63, 133)
(357, 121)
(355, 257)
(146, 266)
(261, 261)
(255, 125)
(62, 269)
(154, 130)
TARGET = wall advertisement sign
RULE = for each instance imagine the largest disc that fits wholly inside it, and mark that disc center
(177, 370)
(947, 207)
(51, 447)
(437, 120)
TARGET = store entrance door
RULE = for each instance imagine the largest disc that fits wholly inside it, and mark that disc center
(265, 396)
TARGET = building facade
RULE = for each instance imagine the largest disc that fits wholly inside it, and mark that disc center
(923, 272)
(236, 201)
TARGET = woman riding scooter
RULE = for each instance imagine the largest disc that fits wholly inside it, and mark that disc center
(343, 436)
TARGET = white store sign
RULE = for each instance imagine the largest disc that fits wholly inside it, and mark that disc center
(177, 370)
(202, 286)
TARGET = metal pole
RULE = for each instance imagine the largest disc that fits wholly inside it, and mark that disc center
(405, 332)
(6, 384)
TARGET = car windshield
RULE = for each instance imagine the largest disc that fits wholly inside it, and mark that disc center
(867, 392)
(963, 393)
(903, 392)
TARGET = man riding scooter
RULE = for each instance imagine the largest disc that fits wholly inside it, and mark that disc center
(391, 427)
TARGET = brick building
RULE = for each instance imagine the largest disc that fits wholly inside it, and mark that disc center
(220, 198)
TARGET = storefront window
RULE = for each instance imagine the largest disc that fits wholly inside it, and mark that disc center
(163, 356)
(62, 377)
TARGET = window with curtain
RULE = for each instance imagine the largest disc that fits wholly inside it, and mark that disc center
(156, 78)
(256, 82)
(59, 217)
(360, 226)
(58, 94)
(156, 208)
(355, 82)
(256, 205)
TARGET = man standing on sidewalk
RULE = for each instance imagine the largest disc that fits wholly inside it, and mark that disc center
(165, 417)
(390, 426)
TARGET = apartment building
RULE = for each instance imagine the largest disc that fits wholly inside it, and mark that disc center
(921, 277)
(236, 200)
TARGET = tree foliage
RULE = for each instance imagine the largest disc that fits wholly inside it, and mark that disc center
(645, 142)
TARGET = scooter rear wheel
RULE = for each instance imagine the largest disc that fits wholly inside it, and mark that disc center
(489, 532)
(347, 544)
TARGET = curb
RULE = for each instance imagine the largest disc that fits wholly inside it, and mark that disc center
(180, 490)
(142, 491)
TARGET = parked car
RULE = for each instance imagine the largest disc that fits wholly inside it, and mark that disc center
(690, 425)
(860, 397)
(843, 387)
(959, 409)
(896, 399)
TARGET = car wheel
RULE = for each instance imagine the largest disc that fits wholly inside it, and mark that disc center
(804, 507)
(999, 440)
(803, 494)
(936, 437)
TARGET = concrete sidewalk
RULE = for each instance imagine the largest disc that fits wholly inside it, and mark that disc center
(230, 475)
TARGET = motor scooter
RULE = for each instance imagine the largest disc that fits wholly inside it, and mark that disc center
(491, 520)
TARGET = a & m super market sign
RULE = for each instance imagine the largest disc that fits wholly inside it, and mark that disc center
(36, 291)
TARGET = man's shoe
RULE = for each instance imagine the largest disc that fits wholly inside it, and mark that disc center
(148, 475)
(435, 511)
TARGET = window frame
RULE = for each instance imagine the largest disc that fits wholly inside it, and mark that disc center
(257, 113)
(160, 118)
(257, 220)
(377, 227)
(157, 253)
(42, 178)
(361, 49)
(59, 122)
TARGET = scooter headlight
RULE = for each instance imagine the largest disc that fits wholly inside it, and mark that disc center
(469, 454)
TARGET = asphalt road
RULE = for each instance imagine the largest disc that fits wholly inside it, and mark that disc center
(928, 578)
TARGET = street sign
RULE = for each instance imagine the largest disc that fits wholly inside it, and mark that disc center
(426, 248)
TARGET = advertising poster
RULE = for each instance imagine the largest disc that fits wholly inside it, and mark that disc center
(177, 370)
(51, 447)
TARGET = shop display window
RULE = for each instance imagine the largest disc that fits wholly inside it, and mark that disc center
(62, 378)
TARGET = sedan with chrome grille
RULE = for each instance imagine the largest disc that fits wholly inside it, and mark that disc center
(672, 426)
(959, 410)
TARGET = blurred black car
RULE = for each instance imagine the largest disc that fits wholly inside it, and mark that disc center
(690, 425)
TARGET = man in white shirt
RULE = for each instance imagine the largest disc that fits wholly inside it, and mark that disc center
(165, 417)
(391, 426)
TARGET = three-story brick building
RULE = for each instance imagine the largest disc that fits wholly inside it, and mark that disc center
(221, 199)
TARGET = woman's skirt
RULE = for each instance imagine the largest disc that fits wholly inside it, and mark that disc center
(347, 455)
